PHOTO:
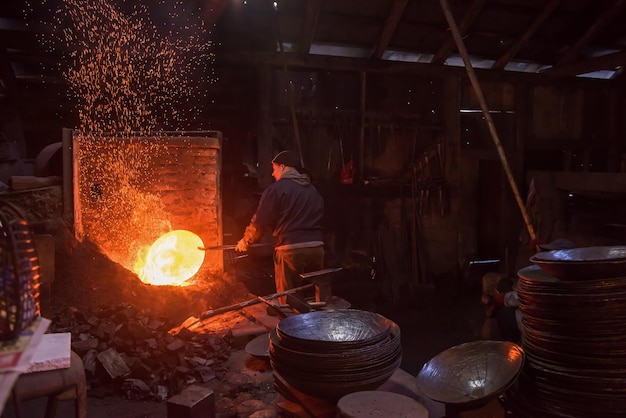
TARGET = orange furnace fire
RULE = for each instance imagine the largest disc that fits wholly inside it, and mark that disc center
(171, 260)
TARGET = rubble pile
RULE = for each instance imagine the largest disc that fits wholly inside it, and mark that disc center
(134, 340)
(132, 352)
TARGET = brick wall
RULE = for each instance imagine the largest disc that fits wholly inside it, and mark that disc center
(130, 190)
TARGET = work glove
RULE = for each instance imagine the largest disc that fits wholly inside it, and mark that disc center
(242, 246)
(250, 235)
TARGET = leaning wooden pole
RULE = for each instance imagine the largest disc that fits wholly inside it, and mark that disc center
(458, 39)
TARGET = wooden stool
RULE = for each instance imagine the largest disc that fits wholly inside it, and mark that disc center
(379, 404)
(57, 385)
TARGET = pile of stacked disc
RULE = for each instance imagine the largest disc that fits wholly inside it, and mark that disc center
(329, 354)
(573, 334)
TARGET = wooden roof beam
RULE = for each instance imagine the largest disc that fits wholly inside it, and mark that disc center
(591, 33)
(391, 23)
(313, 8)
(519, 42)
(603, 62)
(415, 69)
(466, 21)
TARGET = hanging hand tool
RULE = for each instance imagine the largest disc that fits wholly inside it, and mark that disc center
(441, 154)
(442, 206)
(419, 172)
(330, 157)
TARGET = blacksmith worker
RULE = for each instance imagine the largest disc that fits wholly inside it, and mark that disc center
(292, 209)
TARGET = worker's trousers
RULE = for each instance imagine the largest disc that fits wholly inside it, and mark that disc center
(290, 263)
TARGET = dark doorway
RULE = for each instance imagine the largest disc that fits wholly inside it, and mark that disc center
(490, 191)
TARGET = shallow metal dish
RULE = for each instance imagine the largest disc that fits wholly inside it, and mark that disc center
(584, 254)
(471, 373)
(587, 263)
(259, 346)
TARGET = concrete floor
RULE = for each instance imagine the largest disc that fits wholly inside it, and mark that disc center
(437, 320)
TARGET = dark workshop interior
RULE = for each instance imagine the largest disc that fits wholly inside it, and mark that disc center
(450, 141)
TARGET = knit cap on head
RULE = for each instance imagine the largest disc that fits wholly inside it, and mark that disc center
(287, 158)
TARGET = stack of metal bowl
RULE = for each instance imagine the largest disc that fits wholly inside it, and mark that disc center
(329, 354)
(573, 305)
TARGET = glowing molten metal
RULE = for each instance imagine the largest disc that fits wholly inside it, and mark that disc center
(172, 259)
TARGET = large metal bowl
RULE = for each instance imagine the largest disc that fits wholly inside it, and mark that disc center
(586, 263)
(471, 373)
(329, 354)
(333, 330)
(584, 254)
(349, 361)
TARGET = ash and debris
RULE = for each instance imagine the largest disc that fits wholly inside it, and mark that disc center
(130, 352)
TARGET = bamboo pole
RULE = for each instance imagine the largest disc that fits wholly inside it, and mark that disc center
(492, 129)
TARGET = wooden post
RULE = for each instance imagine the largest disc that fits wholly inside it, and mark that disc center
(362, 125)
(264, 140)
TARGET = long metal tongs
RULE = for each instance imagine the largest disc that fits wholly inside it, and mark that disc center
(232, 247)
(213, 312)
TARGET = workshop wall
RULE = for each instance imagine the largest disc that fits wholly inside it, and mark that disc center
(410, 171)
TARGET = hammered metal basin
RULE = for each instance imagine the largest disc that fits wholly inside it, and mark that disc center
(328, 354)
(333, 329)
(471, 373)
(347, 362)
(584, 263)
